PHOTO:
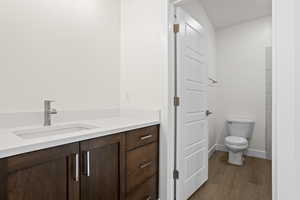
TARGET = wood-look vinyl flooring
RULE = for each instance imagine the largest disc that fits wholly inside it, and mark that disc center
(253, 181)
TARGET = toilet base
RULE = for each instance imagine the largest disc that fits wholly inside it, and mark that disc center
(236, 158)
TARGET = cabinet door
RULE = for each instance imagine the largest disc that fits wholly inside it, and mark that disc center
(103, 168)
(48, 174)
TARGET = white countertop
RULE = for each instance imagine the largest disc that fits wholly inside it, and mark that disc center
(11, 144)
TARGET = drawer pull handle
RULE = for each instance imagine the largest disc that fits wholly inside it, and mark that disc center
(142, 166)
(149, 198)
(146, 137)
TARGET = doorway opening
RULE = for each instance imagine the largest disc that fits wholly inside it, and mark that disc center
(223, 88)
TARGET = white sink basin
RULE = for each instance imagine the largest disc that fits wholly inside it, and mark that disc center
(52, 130)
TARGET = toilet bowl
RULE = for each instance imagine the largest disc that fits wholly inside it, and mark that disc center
(237, 142)
(236, 147)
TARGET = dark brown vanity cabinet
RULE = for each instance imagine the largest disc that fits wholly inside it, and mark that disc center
(116, 167)
(48, 174)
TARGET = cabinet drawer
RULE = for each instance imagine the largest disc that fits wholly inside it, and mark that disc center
(141, 137)
(141, 164)
(147, 191)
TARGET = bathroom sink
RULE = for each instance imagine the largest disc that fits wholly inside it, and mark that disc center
(52, 130)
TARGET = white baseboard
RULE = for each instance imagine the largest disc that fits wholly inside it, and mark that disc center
(221, 147)
(251, 152)
(212, 150)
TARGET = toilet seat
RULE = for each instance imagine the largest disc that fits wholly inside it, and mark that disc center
(237, 148)
(236, 144)
(236, 141)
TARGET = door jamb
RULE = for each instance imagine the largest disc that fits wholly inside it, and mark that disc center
(283, 145)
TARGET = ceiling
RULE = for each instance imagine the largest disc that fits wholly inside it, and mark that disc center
(225, 13)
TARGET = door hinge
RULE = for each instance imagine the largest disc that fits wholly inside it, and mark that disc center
(176, 174)
(176, 101)
(176, 28)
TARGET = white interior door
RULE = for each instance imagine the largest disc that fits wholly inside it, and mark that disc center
(192, 129)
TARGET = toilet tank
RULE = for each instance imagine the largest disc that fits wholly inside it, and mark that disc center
(240, 127)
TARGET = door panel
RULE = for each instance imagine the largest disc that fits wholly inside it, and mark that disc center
(191, 31)
(194, 162)
(103, 182)
(103, 168)
(47, 174)
(192, 130)
(194, 73)
(196, 133)
(194, 101)
(50, 178)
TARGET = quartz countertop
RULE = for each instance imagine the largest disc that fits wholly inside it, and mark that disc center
(11, 144)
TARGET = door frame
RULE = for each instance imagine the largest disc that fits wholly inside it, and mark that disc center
(283, 146)
(284, 151)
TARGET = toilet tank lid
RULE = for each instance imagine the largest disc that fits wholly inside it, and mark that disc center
(240, 120)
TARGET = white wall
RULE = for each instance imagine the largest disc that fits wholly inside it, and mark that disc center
(142, 53)
(59, 49)
(197, 11)
(241, 64)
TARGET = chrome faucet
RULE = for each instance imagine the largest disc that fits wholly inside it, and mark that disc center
(48, 111)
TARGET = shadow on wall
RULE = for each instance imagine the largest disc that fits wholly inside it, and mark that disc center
(269, 102)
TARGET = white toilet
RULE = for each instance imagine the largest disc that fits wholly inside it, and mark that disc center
(240, 131)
